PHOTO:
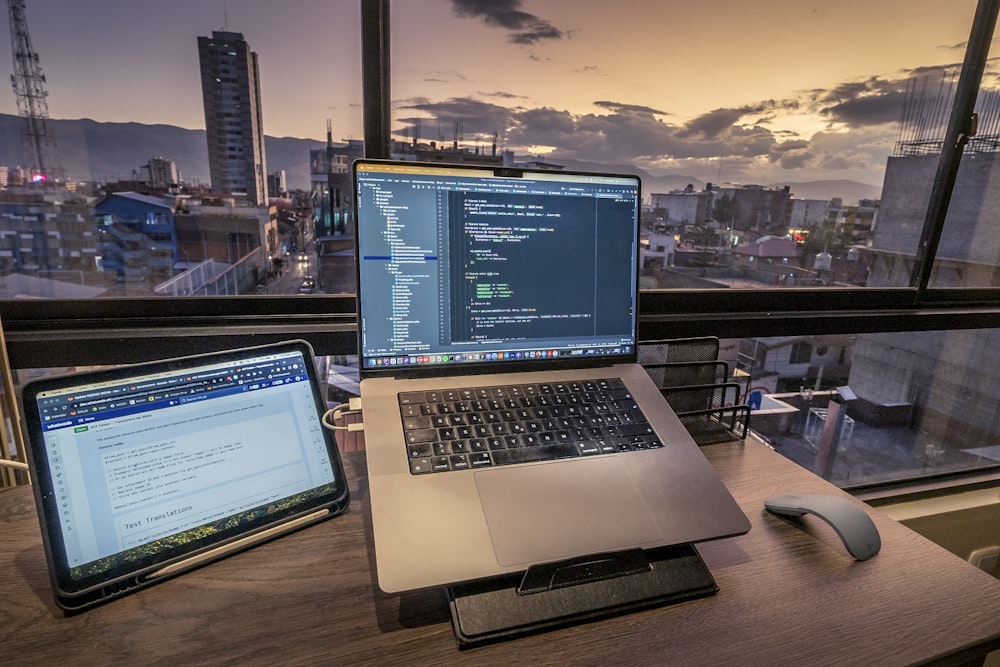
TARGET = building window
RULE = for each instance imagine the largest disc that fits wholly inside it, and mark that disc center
(801, 353)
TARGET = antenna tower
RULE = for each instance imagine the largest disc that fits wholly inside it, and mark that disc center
(29, 88)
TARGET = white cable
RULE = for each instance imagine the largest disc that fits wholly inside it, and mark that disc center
(333, 415)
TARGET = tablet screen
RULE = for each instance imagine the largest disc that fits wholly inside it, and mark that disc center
(140, 466)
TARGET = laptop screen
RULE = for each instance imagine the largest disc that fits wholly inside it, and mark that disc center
(465, 265)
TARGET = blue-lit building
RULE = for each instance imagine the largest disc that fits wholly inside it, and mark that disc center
(137, 236)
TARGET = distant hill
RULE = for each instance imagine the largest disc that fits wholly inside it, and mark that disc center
(91, 151)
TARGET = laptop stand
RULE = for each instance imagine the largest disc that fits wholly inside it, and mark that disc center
(574, 591)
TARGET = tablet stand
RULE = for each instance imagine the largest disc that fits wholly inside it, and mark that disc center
(576, 590)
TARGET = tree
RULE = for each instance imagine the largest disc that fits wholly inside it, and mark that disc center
(725, 210)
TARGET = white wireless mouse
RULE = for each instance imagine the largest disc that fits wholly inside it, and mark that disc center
(856, 529)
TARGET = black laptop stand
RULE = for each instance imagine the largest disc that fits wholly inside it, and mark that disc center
(574, 591)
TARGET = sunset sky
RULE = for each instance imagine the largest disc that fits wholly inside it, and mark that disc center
(729, 90)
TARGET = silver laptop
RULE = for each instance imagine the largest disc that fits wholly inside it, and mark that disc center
(507, 423)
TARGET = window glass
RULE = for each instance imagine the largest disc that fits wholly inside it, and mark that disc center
(778, 156)
(857, 409)
(177, 149)
(766, 136)
(871, 408)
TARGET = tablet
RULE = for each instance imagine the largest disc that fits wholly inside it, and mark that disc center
(143, 472)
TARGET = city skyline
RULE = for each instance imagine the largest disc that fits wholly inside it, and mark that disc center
(715, 96)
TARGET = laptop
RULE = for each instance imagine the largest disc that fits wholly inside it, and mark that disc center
(494, 304)
(143, 472)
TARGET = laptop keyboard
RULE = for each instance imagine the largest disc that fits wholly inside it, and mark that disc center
(476, 427)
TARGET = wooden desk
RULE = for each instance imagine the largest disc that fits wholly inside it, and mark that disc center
(787, 596)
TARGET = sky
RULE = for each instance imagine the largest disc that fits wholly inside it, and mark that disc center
(762, 92)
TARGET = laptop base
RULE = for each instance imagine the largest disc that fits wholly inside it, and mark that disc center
(574, 591)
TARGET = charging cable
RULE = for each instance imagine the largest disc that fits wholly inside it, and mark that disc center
(334, 415)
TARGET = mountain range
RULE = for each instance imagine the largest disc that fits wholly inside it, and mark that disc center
(89, 150)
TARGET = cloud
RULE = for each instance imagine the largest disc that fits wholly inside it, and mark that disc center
(714, 123)
(874, 101)
(870, 110)
(619, 107)
(522, 27)
(620, 132)
(450, 77)
(881, 100)
(752, 142)
(470, 117)
(796, 154)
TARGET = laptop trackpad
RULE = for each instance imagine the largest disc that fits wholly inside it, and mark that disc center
(563, 509)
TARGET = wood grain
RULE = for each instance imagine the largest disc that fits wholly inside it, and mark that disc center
(789, 595)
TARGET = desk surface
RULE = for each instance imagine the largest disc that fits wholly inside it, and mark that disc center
(788, 595)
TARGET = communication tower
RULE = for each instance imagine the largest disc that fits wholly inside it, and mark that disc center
(28, 82)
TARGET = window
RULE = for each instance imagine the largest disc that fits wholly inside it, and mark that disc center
(801, 353)
(785, 165)
(917, 404)
(172, 128)
(828, 262)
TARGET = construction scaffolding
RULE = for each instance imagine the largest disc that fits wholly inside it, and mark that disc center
(927, 107)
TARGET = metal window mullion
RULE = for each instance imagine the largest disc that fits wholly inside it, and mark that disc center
(961, 126)
(375, 77)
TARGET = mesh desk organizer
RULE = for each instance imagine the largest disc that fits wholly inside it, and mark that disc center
(588, 588)
(698, 387)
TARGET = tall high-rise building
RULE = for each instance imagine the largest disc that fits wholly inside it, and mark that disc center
(230, 86)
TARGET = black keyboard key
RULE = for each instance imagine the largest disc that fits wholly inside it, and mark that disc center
(412, 397)
(459, 462)
(480, 460)
(423, 435)
(540, 453)
(420, 466)
(416, 423)
(419, 451)
(627, 430)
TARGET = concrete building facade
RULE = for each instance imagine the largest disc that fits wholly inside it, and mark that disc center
(945, 384)
(230, 84)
